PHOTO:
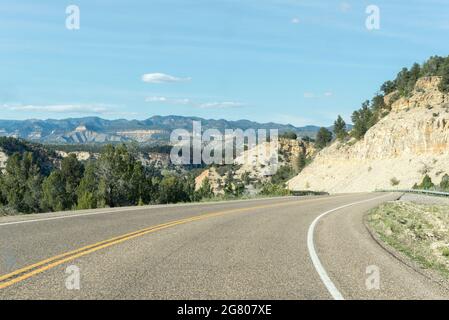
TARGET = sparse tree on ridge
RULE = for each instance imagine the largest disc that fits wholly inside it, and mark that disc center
(340, 129)
(323, 138)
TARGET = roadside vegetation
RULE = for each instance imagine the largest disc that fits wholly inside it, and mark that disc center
(37, 180)
(427, 184)
(375, 109)
(419, 231)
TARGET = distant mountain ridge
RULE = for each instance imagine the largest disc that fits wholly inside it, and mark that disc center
(97, 130)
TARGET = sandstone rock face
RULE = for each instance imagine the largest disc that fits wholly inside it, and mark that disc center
(413, 140)
(257, 163)
(215, 180)
(426, 94)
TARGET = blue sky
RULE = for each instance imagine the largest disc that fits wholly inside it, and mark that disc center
(289, 61)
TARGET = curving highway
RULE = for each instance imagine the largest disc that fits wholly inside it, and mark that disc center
(281, 248)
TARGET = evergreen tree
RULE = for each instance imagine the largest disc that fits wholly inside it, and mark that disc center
(426, 183)
(115, 173)
(172, 190)
(22, 183)
(88, 187)
(71, 172)
(206, 190)
(444, 185)
(54, 196)
(323, 138)
(340, 129)
(363, 119)
(388, 87)
(229, 184)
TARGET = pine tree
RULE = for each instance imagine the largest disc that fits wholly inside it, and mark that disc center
(71, 172)
(340, 129)
(206, 190)
(426, 183)
(22, 183)
(444, 184)
(323, 138)
(54, 197)
(363, 119)
(87, 189)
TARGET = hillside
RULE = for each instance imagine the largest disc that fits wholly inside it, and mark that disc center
(397, 152)
(46, 158)
(153, 130)
(254, 166)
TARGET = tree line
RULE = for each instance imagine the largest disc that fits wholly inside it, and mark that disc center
(116, 179)
(375, 109)
(402, 86)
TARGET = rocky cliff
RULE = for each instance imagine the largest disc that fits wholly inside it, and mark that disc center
(411, 141)
(256, 165)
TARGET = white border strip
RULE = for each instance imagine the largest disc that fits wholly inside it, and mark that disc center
(93, 212)
(330, 286)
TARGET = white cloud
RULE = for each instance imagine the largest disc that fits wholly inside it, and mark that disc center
(328, 94)
(168, 100)
(295, 20)
(203, 105)
(221, 105)
(162, 78)
(62, 108)
(309, 95)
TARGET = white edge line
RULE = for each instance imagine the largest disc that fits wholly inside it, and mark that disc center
(120, 210)
(330, 286)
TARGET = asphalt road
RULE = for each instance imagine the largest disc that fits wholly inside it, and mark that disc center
(285, 248)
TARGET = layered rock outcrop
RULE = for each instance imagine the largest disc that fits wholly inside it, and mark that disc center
(411, 141)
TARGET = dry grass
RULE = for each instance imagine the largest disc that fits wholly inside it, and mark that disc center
(419, 231)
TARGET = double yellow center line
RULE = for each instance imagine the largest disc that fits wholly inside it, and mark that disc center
(44, 265)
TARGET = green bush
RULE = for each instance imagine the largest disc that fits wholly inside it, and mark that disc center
(426, 184)
(444, 184)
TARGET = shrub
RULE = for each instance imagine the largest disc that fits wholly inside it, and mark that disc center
(394, 182)
(426, 184)
(444, 184)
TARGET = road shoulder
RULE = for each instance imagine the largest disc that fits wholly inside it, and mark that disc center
(354, 260)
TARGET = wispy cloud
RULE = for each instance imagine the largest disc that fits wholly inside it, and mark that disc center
(61, 108)
(221, 105)
(295, 20)
(168, 100)
(95, 109)
(200, 105)
(162, 78)
(309, 95)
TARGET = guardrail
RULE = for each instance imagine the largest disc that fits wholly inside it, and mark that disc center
(428, 192)
(308, 193)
